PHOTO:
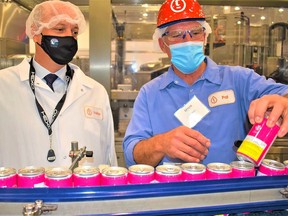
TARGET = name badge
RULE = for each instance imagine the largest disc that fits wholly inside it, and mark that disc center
(192, 112)
(221, 97)
(93, 112)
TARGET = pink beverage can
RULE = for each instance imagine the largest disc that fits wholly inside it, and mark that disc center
(141, 174)
(286, 166)
(271, 168)
(258, 141)
(31, 177)
(193, 171)
(242, 169)
(168, 173)
(8, 177)
(58, 177)
(114, 176)
(218, 171)
(86, 176)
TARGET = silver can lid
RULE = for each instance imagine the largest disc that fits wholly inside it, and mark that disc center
(219, 167)
(114, 171)
(86, 170)
(7, 171)
(273, 164)
(168, 169)
(242, 165)
(58, 172)
(31, 171)
(193, 167)
(285, 162)
(141, 169)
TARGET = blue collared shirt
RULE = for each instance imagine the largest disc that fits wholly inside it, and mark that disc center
(160, 98)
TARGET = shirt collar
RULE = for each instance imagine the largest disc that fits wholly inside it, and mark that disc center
(42, 72)
(210, 74)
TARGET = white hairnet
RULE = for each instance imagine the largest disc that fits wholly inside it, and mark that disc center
(49, 13)
(160, 31)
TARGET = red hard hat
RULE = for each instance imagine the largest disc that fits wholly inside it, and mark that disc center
(173, 11)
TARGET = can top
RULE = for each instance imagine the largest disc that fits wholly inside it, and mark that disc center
(114, 171)
(273, 164)
(31, 171)
(242, 165)
(7, 171)
(219, 167)
(58, 172)
(285, 162)
(168, 169)
(141, 169)
(193, 167)
(86, 170)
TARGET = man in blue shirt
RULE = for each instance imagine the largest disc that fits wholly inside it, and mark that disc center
(198, 109)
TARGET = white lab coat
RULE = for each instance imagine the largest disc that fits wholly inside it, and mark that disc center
(85, 117)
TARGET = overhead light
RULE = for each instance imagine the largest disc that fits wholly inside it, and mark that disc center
(262, 17)
(145, 14)
(238, 22)
(281, 10)
(252, 15)
(144, 5)
(237, 8)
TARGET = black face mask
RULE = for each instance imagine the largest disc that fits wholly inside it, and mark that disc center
(60, 49)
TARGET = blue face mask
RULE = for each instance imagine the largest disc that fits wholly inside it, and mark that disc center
(187, 56)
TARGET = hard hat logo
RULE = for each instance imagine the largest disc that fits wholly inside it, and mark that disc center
(178, 6)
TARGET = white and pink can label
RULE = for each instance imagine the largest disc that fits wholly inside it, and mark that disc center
(8, 177)
(31, 177)
(271, 168)
(86, 176)
(193, 171)
(114, 176)
(168, 173)
(141, 174)
(218, 171)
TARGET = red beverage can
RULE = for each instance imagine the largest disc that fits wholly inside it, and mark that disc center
(193, 171)
(168, 173)
(31, 177)
(271, 168)
(218, 171)
(258, 141)
(141, 174)
(242, 169)
(8, 177)
(86, 176)
(114, 176)
(58, 177)
(286, 166)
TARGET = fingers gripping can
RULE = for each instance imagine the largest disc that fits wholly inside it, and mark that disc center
(168, 173)
(258, 141)
(242, 169)
(193, 171)
(30, 177)
(140, 174)
(8, 177)
(86, 176)
(271, 168)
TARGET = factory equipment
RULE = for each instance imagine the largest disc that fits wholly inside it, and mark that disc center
(235, 42)
(77, 154)
(278, 54)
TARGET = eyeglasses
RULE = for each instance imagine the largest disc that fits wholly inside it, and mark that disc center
(176, 35)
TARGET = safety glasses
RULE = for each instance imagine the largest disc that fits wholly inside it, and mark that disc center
(176, 35)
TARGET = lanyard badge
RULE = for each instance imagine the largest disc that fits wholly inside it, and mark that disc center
(192, 112)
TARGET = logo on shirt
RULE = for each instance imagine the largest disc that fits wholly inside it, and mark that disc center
(93, 112)
(221, 98)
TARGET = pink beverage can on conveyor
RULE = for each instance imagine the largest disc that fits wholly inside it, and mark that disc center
(193, 171)
(168, 173)
(31, 177)
(286, 166)
(218, 171)
(271, 168)
(258, 141)
(8, 177)
(58, 177)
(242, 169)
(141, 174)
(114, 176)
(86, 176)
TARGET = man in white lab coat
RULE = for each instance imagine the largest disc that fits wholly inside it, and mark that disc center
(39, 118)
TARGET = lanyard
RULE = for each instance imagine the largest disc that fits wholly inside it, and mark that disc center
(69, 75)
